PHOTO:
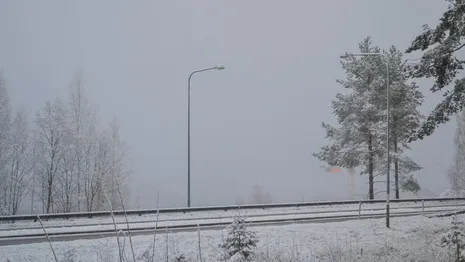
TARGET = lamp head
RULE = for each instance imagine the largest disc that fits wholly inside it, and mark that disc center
(346, 56)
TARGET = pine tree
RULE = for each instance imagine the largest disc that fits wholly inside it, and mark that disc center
(360, 140)
(240, 240)
(455, 240)
(361, 116)
(405, 99)
(440, 46)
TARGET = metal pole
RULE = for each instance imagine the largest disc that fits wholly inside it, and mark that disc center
(359, 209)
(388, 146)
(189, 130)
(189, 141)
(33, 178)
(423, 207)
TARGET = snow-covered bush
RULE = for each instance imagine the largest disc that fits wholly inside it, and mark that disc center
(146, 256)
(180, 258)
(450, 193)
(240, 242)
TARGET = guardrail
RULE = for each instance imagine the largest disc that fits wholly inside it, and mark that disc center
(36, 235)
(213, 208)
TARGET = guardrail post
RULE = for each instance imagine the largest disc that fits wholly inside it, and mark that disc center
(359, 209)
(423, 207)
(317, 204)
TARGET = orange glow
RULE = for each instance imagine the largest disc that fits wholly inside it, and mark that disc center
(333, 169)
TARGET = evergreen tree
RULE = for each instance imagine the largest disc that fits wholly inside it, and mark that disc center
(360, 140)
(240, 240)
(454, 240)
(361, 116)
(405, 99)
(441, 46)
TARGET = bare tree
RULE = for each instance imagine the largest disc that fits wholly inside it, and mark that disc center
(66, 182)
(50, 135)
(20, 162)
(260, 196)
(71, 159)
(5, 118)
(83, 125)
(109, 170)
(120, 170)
(98, 156)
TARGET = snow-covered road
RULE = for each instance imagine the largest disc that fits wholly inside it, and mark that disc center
(203, 220)
(194, 216)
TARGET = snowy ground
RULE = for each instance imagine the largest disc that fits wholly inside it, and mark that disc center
(409, 239)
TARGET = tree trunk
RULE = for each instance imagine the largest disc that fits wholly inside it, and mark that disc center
(370, 168)
(78, 182)
(49, 197)
(396, 170)
(50, 183)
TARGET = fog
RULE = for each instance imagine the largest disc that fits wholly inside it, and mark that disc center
(256, 122)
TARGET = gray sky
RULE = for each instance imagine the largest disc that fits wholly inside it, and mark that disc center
(258, 121)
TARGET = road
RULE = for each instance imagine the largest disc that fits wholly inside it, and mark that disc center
(214, 224)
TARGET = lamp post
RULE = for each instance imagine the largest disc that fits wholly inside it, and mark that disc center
(347, 55)
(218, 67)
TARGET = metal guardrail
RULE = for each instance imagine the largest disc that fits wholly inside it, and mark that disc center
(37, 237)
(207, 224)
(213, 208)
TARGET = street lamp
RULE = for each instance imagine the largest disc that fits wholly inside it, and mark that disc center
(347, 55)
(218, 67)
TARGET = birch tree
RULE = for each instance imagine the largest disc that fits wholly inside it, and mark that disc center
(50, 135)
(117, 183)
(97, 168)
(5, 119)
(111, 170)
(67, 183)
(20, 162)
(83, 124)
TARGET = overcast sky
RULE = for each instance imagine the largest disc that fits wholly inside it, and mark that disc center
(258, 121)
